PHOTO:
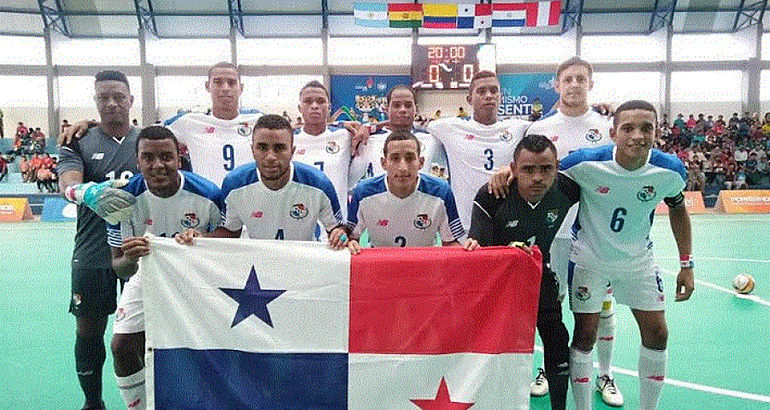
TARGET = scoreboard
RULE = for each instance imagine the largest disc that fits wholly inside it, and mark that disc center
(437, 67)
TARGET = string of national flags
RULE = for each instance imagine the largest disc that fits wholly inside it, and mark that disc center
(458, 16)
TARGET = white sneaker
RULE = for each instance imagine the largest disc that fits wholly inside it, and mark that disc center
(539, 387)
(609, 390)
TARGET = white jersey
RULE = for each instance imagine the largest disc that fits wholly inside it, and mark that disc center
(411, 221)
(568, 134)
(216, 146)
(617, 206)
(194, 205)
(474, 152)
(367, 163)
(329, 152)
(289, 213)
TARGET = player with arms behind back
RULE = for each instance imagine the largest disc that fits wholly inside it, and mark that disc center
(621, 185)
(403, 207)
(169, 201)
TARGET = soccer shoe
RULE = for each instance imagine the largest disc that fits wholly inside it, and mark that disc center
(609, 390)
(539, 387)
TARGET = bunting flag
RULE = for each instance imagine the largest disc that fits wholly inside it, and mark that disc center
(461, 16)
(439, 15)
(277, 324)
(370, 14)
(474, 15)
(532, 14)
(405, 15)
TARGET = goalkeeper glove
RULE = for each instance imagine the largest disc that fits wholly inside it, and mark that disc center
(106, 199)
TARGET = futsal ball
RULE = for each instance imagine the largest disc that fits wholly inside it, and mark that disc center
(743, 283)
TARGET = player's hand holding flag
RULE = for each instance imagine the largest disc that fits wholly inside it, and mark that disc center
(106, 199)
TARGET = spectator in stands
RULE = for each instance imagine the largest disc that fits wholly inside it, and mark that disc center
(38, 141)
(24, 168)
(3, 167)
(21, 130)
(2, 131)
(732, 124)
(750, 167)
(741, 155)
(709, 122)
(135, 122)
(691, 122)
(64, 125)
(679, 123)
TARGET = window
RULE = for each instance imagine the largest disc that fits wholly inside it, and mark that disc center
(533, 49)
(709, 47)
(22, 50)
(616, 88)
(287, 51)
(622, 49)
(370, 51)
(706, 86)
(23, 91)
(188, 52)
(103, 52)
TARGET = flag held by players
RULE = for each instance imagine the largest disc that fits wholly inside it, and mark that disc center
(269, 324)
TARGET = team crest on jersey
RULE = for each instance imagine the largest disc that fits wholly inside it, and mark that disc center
(470, 137)
(552, 216)
(190, 220)
(646, 194)
(583, 293)
(554, 138)
(210, 130)
(332, 147)
(298, 211)
(506, 136)
(256, 214)
(244, 130)
(593, 135)
(382, 222)
(422, 221)
(602, 189)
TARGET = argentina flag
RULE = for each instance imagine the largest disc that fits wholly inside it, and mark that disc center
(233, 323)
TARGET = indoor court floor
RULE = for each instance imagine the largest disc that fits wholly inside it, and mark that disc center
(719, 344)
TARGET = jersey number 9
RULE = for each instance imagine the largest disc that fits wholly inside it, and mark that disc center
(228, 154)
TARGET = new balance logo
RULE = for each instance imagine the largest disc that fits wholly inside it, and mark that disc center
(581, 380)
(656, 378)
(135, 404)
(98, 156)
(512, 224)
(382, 222)
(257, 214)
(606, 338)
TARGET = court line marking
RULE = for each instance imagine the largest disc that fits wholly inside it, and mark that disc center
(691, 386)
(716, 258)
(753, 298)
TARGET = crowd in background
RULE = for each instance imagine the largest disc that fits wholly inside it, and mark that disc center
(730, 154)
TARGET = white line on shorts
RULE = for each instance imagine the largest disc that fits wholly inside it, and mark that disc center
(691, 386)
(753, 298)
(715, 258)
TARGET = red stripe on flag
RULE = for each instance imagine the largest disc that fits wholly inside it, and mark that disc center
(404, 7)
(439, 25)
(509, 6)
(484, 9)
(444, 300)
(531, 9)
(553, 18)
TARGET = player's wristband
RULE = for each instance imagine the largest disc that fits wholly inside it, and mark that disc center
(686, 261)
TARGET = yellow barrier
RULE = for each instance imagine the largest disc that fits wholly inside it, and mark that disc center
(14, 210)
(743, 202)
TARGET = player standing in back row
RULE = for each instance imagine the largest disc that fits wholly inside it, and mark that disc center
(476, 147)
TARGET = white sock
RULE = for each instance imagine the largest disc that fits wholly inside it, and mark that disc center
(652, 372)
(605, 338)
(132, 389)
(581, 368)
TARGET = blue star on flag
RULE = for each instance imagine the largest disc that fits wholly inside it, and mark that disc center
(252, 300)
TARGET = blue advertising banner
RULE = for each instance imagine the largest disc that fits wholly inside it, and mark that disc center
(524, 93)
(361, 97)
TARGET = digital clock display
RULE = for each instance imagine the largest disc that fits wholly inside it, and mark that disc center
(447, 66)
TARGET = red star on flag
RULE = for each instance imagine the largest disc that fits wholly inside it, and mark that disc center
(442, 400)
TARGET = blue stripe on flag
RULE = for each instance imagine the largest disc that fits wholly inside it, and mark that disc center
(228, 379)
(509, 23)
(371, 23)
(371, 6)
(465, 22)
(437, 19)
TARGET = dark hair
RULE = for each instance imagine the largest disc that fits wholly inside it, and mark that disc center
(156, 133)
(478, 76)
(112, 75)
(224, 64)
(400, 135)
(273, 122)
(633, 105)
(534, 143)
(574, 61)
(315, 84)
(401, 87)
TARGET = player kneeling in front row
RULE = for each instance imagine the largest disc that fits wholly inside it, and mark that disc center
(532, 214)
(403, 207)
(621, 185)
(275, 197)
(168, 201)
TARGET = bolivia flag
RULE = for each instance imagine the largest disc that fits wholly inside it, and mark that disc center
(405, 15)
(236, 323)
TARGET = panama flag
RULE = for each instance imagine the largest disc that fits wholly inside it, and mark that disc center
(233, 323)
(474, 15)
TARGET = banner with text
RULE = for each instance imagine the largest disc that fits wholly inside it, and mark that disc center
(743, 202)
(524, 93)
(362, 97)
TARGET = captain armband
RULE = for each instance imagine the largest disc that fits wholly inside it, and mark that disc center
(674, 201)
